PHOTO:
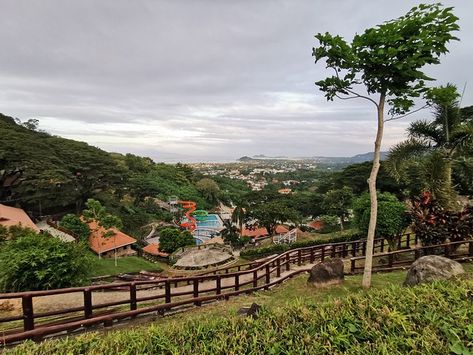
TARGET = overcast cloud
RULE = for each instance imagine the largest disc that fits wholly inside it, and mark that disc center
(197, 80)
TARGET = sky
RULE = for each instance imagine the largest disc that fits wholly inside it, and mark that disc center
(199, 80)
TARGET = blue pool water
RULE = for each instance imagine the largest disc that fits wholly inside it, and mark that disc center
(209, 221)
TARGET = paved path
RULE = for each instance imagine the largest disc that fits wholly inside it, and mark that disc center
(69, 300)
(55, 232)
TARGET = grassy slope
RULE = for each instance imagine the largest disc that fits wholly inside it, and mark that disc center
(106, 266)
(300, 319)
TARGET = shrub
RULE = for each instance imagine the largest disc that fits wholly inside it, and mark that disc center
(434, 225)
(171, 239)
(73, 223)
(39, 262)
(392, 216)
(427, 319)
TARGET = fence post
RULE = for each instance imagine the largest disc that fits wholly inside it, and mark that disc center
(446, 251)
(132, 296)
(268, 276)
(237, 282)
(353, 249)
(218, 282)
(382, 245)
(195, 291)
(322, 253)
(334, 250)
(28, 316)
(416, 253)
(299, 257)
(288, 261)
(363, 251)
(345, 252)
(399, 242)
(255, 278)
(470, 248)
(416, 239)
(408, 240)
(87, 303)
(352, 268)
(312, 255)
(390, 258)
(167, 291)
(278, 264)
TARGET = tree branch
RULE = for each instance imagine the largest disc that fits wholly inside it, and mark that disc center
(357, 96)
(393, 118)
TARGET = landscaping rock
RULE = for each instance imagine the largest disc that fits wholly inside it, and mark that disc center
(251, 311)
(432, 267)
(329, 272)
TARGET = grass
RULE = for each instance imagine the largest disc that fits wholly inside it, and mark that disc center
(433, 318)
(106, 266)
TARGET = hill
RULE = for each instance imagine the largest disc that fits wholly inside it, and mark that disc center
(46, 174)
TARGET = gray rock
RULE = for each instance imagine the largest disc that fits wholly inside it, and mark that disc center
(432, 267)
(329, 272)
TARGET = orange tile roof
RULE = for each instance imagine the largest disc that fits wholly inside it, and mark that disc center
(101, 244)
(153, 249)
(11, 216)
(262, 232)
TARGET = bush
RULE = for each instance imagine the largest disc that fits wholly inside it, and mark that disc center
(40, 262)
(392, 216)
(73, 223)
(427, 319)
(435, 225)
(171, 239)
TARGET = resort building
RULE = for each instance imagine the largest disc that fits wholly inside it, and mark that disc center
(104, 242)
(153, 251)
(12, 216)
(258, 233)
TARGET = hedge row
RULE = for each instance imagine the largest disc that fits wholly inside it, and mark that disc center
(256, 253)
(428, 319)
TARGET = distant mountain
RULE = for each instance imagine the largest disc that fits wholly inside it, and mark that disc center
(359, 158)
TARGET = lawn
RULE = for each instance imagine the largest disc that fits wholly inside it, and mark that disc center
(106, 266)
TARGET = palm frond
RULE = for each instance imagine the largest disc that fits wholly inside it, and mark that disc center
(402, 152)
(462, 137)
(424, 130)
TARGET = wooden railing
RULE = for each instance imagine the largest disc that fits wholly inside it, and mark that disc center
(168, 293)
(401, 258)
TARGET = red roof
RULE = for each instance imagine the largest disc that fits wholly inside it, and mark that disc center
(11, 216)
(153, 249)
(262, 232)
(101, 244)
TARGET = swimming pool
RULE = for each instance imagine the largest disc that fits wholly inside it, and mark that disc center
(211, 221)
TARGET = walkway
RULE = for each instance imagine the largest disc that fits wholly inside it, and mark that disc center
(55, 232)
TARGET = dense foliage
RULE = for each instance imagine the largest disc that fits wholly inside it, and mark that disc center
(171, 239)
(72, 223)
(33, 261)
(392, 216)
(428, 319)
(433, 224)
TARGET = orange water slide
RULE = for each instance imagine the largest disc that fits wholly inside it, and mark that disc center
(191, 223)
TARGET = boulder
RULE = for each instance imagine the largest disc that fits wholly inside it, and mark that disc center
(432, 267)
(329, 272)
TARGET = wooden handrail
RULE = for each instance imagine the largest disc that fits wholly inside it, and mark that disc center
(261, 276)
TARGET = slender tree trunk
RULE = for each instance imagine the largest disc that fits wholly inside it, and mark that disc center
(366, 283)
(341, 223)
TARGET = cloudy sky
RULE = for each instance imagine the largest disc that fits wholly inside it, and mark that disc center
(197, 79)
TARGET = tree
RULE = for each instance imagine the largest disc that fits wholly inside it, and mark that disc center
(32, 261)
(171, 239)
(338, 202)
(230, 234)
(393, 219)
(387, 61)
(270, 214)
(434, 145)
(73, 224)
(238, 216)
(209, 189)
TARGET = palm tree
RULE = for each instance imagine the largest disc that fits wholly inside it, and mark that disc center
(238, 216)
(432, 146)
(230, 232)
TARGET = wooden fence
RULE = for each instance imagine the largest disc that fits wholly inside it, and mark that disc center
(169, 293)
